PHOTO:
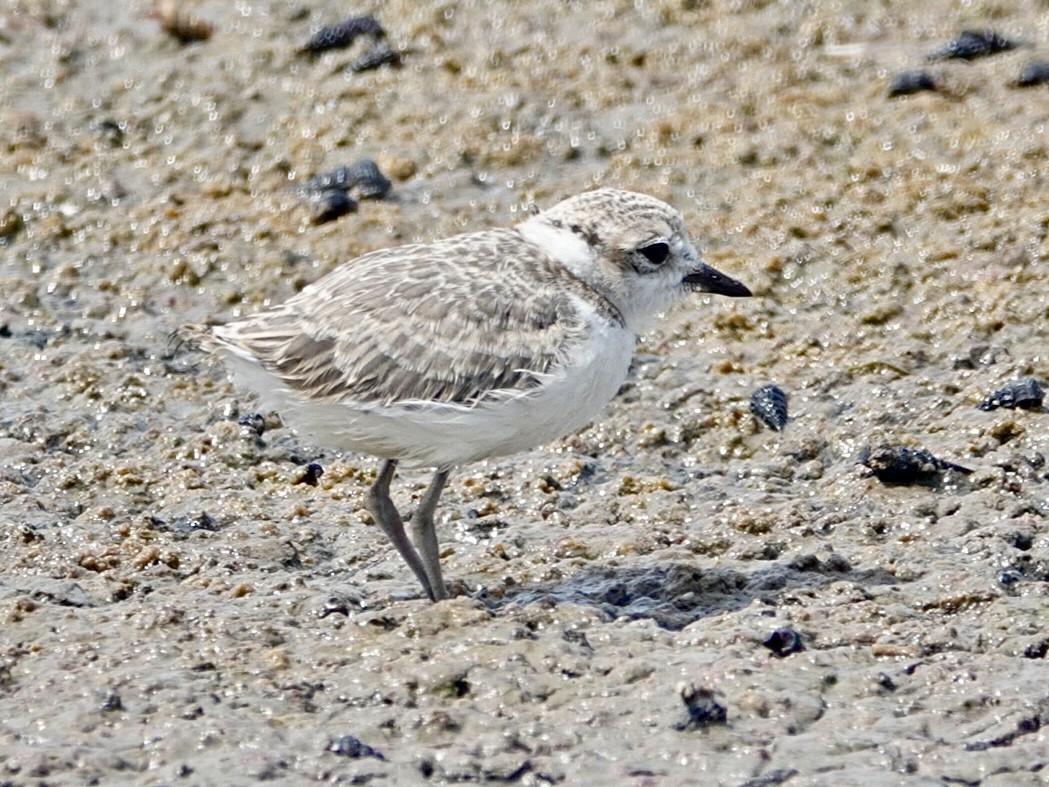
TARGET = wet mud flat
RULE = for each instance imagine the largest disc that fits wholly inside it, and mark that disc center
(679, 594)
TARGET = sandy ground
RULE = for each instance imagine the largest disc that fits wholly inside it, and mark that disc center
(177, 610)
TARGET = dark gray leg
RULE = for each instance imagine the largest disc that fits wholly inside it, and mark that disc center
(425, 536)
(381, 507)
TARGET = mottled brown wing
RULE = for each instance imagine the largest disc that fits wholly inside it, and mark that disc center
(452, 321)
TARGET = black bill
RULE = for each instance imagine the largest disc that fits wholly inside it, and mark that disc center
(706, 279)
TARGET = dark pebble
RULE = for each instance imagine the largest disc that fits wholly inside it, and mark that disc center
(310, 475)
(336, 604)
(911, 81)
(884, 680)
(894, 464)
(379, 55)
(349, 746)
(202, 521)
(1009, 577)
(110, 130)
(769, 404)
(703, 709)
(254, 421)
(782, 642)
(1025, 394)
(342, 34)
(335, 180)
(329, 205)
(1036, 650)
(369, 182)
(363, 176)
(1034, 73)
(972, 44)
(111, 702)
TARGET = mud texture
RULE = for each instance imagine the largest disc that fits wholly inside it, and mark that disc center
(677, 595)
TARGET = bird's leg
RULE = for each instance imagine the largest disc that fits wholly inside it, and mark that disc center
(381, 507)
(425, 536)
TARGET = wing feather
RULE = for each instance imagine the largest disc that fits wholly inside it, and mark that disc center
(458, 321)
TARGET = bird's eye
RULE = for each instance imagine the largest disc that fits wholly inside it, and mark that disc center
(656, 253)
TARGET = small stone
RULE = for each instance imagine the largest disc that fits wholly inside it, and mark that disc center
(336, 604)
(254, 421)
(910, 81)
(703, 709)
(769, 404)
(1033, 73)
(971, 44)
(379, 55)
(349, 746)
(783, 642)
(1037, 649)
(885, 681)
(363, 176)
(342, 34)
(900, 465)
(329, 205)
(1009, 577)
(310, 475)
(111, 702)
(1024, 394)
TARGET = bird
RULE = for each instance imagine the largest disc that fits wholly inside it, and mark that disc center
(475, 346)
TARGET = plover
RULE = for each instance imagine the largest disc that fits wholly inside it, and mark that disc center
(476, 346)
